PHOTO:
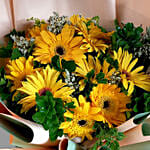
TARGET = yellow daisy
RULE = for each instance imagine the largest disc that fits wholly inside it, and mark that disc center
(82, 121)
(130, 76)
(43, 81)
(18, 69)
(111, 102)
(91, 42)
(64, 44)
(86, 66)
(35, 31)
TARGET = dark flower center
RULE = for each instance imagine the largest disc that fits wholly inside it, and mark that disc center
(43, 91)
(106, 104)
(126, 73)
(60, 50)
(82, 122)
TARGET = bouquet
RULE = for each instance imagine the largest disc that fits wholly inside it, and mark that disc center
(78, 80)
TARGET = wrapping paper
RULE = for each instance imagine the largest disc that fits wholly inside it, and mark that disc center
(136, 11)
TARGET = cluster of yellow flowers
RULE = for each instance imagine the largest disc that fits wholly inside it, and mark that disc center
(107, 102)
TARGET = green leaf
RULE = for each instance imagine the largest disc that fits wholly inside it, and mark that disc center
(105, 148)
(50, 113)
(16, 54)
(90, 74)
(2, 82)
(56, 62)
(101, 75)
(69, 105)
(146, 129)
(100, 78)
(69, 65)
(39, 117)
(139, 118)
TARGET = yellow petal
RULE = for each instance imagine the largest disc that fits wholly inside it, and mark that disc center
(131, 88)
(140, 68)
(125, 83)
(132, 65)
(68, 114)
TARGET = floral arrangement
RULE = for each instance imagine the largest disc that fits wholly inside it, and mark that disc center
(77, 79)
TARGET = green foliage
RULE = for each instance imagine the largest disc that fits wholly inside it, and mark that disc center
(56, 62)
(69, 65)
(90, 74)
(96, 21)
(5, 52)
(16, 54)
(143, 53)
(89, 85)
(128, 37)
(141, 103)
(14, 32)
(4, 86)
(69, 105)
(109, 59)
(110, 135)
(37, 22)
(100, 78)
(50, 114)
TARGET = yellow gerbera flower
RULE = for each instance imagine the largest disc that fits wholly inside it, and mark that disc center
(111, 102)
(86, 66)
(129, 76)
(64, 44)
(43, 81)
(91, 42)
(18, 70)
(82, 121)
(35, 31)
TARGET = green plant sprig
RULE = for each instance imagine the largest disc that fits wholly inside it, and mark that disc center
(50, 114)
(107, 137)
(128, 37)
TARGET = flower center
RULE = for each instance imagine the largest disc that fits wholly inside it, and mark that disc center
(60, 50)
(43, 91)
(126, 73)
(106, 104)
(82, 122)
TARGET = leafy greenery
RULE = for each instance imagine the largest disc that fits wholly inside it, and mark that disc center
(89, 85)
(50, 114)
(69, 65)
(56, 63)
(96, 21)
(5, 52)
(109, 59)
(128, 37)
(90, 74)
(15, 54)
(107, 137)
(141, 103)
(143, 53)
(4, 86)
(100, 78)
(14, 32)
(37, 22)
(69, 105)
